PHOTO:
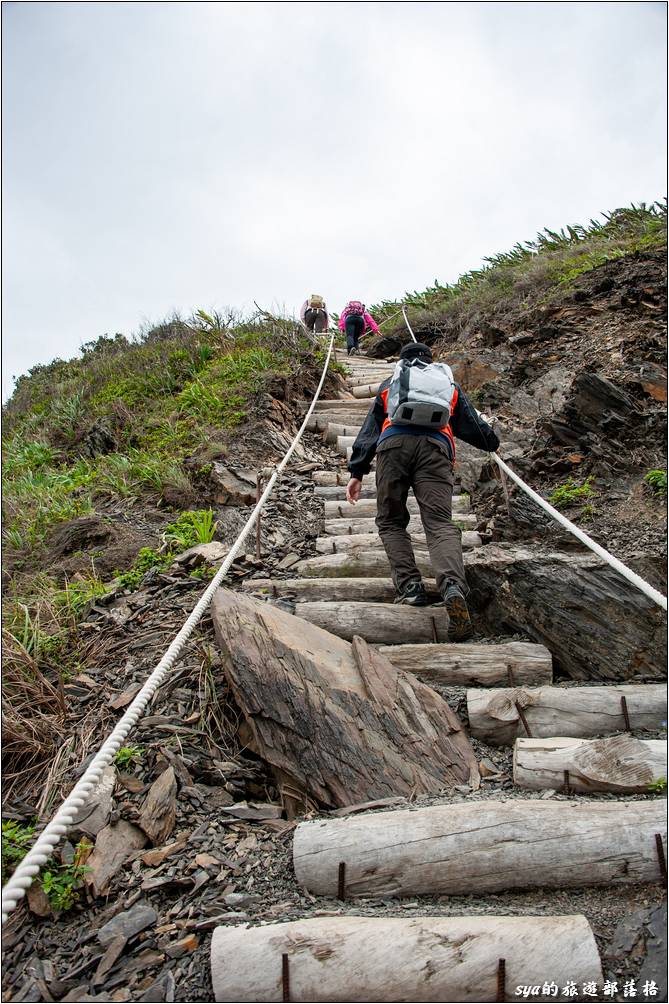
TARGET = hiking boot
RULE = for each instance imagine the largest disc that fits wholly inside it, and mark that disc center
(413, 593)
(459, 622)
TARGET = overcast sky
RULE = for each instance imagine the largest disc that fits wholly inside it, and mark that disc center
(162, 157)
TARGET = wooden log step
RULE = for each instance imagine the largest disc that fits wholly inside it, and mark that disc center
(336, 527)
(367, 377)
(336, 506)
(487, 846)
(375, 959)
(621, 764)
(367, 541)
(320, 420)
(358, 564)
(334, 431)
(337, 404)
(338, 492)
(472, 665)
(377, 623)
(336, 591)
(496, 716)
(330, 479)
(365, 390)
(343, 444)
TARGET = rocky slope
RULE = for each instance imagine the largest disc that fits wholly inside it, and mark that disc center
(573, 372)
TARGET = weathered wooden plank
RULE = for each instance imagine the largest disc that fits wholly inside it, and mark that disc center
(389, 959)
(357, 564)
(335, 431)
(337, 719)
(331, 478)
(336, 506)
(338, 526)
(343, 443)
(378, 623)
(473, 665)
(356, 590)
(446, 850)
(365, 390)
(621, 764)
(320, 420)
(494, 715)
(367, 541)
(338, 492)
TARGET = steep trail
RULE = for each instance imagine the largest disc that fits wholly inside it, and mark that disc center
(249, 872)
(514, 843)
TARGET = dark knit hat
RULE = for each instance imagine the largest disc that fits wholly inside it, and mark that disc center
(415, 349)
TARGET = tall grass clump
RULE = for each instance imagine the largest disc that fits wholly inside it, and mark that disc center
(530, 270)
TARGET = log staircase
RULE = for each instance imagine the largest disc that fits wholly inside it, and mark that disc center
(484, 846)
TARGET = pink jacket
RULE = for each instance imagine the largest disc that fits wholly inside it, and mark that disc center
(367, 318)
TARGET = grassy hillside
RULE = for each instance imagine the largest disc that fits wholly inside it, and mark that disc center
(120, 420)
(109, 452)
(530, 274)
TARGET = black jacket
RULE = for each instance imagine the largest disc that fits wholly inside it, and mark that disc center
(465, 424)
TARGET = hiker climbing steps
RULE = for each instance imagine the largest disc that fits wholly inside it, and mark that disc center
(459, 847)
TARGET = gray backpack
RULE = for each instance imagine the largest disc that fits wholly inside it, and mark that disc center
(420, 393)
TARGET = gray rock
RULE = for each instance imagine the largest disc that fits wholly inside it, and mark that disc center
(127, 923)
(239, 900)
(655, 964)
(160, 991)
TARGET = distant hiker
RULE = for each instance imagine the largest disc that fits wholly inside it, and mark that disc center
(314, 314)
(355, 321)
(411, 428)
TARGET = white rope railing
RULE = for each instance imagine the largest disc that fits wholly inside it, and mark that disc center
(631, 576)
(605, 555)
(406, 321)
(48, 839)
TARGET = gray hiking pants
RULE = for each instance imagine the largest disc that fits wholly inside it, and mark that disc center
(404, 462)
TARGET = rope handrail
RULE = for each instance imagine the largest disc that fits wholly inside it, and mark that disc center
(39, 853)
(581, 535)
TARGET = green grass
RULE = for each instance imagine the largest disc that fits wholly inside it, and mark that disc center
(659, 786)
(15, 840)
(532, 270)
(657, 480)
(570, 492)
(60, 882)
(193, 527)
(128, 756)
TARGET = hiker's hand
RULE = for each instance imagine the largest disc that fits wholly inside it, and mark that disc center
(353, 490)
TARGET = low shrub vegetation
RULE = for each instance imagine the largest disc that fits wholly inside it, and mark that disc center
(657, 480)
(571, 493)
(531, 272)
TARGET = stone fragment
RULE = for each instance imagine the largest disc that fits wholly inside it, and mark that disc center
(113, 953)
(159, 811)
(290, 560)
(38, 901)
(202, 554)
(114, 846)
(233, 487)
(128, 923)
(254, 810)
(177, 949)
(157, 855)
(162, 990)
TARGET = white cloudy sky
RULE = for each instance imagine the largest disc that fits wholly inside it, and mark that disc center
(162, 156)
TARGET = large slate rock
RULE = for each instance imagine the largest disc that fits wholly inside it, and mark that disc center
(335, 718)
(596, 624)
